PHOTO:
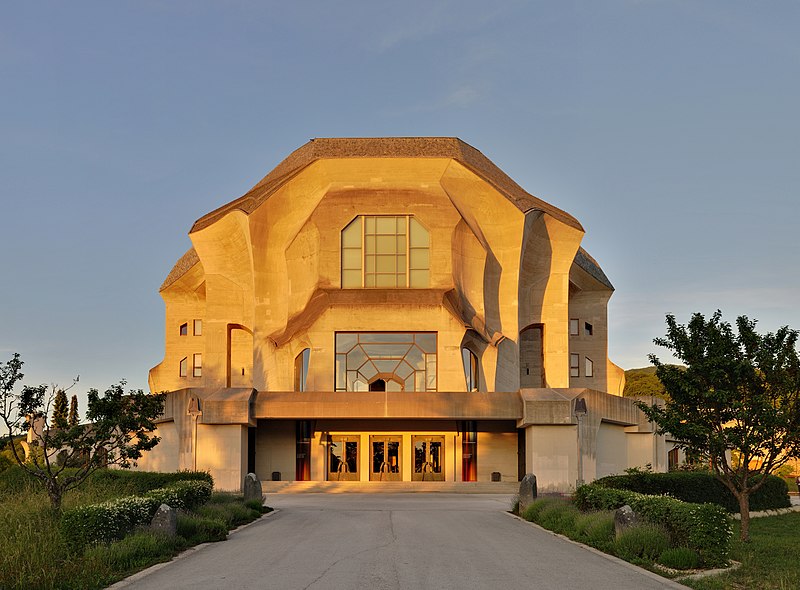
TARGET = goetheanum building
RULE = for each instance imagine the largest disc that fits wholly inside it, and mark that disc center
(392, 309)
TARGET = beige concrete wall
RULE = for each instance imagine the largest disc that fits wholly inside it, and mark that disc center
(275, 449)
(588, 303)
(612, 450)
(164, 456)
(497, 451)
(551, 453)
(222, 451)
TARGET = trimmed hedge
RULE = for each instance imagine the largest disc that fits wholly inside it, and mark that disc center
(112, 520)
(140, 482)
(705, 528)
(699, 488)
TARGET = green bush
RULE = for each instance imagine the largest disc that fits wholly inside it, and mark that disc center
(199, 529)
(699, 487)
(531, 512)
(133, 552)
(183, 495)
(599, 530)
(642, 542)
(559, 517)
(255, 505)
(138, 483)
(704, 528)
(680, 558)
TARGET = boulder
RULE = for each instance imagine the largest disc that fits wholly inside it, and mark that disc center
(527, 491)
(252, 487)
(624, 518)
(165, 520)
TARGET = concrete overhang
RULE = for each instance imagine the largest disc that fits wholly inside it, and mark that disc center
(373, 404)
(556, 406)
(228, 405)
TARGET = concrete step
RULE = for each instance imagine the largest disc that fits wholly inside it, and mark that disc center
(393, 487)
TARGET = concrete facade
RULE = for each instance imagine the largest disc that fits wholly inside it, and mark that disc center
(396, 308)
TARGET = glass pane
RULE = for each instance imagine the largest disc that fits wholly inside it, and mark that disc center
(419, 279)
(368, 371)
(401, 225)
(356, 358)
(345, 341)
(335, 457)
(426, 341)
(369, 280)
(386, 264)
(415, 358)
(184, 367)
(370, 225)
(369, 244)
(392, 385)
(198, 327)
(351, 235)
(184, 329)
(386, 225)
(403, 370)
(410, 383)
(351, 456)
(419, 381)
(401, 264)
(419, 258)
(385, 366)
(377, 457)
(351, 258)
(341, 383)
(351, 279)
(386, 337)
(419, 235)
(419, 456)
(393, 456)
(393, 351)
(431, 374)
(369, 262)
(360, 385)
(387, 245)
(386, 281)
(436, 456)
(401, 244)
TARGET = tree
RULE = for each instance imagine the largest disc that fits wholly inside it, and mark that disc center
(72, 419)
(739, 392)
(118, 431)
(60, 410)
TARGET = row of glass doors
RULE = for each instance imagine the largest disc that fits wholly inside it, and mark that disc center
(386, 458)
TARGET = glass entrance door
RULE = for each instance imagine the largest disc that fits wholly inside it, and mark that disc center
(386, 460)
(428, 458)
(343, 458)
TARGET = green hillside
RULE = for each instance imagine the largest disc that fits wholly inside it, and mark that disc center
(643, 382)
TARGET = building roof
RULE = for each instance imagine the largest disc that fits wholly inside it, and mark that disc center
(387, 147)
(584, 260)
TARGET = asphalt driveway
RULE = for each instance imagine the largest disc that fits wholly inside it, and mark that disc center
(392, 542)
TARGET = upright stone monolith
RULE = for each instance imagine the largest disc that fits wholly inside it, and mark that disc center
(252, 487)
(624, 518)
(527, 491)
(165, 520)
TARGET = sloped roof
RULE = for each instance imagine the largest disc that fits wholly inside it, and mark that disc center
(387, 147)
(590, 265)
(184, 264)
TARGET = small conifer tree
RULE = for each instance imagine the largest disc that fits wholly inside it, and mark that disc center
(72, 419)
(60, 410)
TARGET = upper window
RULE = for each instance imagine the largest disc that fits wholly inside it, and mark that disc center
(573, 327)
(301, 370)
(183, 367)
(385, 361)
(197, 365)
(385, 252)
(198, 327)
(588, 367)
(184, 329)
(574, 365)
(588, 329)
(470, 368)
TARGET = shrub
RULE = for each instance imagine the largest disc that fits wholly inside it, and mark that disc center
(531, 513)
(704, 528)
(643, 542)
(699, 487)
(559, 517)
(199, 529)
(139, 483)
(134, 551)
(680, 558)
(183, 495)
(599, 531)
(255, 505)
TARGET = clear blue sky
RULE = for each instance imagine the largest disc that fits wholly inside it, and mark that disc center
(670, 129)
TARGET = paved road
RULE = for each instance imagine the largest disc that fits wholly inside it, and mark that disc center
(393, 542)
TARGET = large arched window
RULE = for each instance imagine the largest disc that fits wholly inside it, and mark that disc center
(470, 368)
(385, 252)
(301, 370)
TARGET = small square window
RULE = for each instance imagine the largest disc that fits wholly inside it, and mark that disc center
(588, 367)
(574, 365)
(184, 329)
(573, 327)
(587, 328)
(197, 367)
(184, 367)
(198, 327)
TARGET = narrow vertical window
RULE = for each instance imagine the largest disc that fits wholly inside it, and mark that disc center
(184, 329)
(184, 367)
(470, 368)
(301, 370)
(574, 365)
(197, 366)
(351, 255)
(198, 327)
(588, 330)
(588, 367)
(573, 327)
(469, 451)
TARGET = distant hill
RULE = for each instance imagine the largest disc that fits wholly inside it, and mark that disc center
(643, 382)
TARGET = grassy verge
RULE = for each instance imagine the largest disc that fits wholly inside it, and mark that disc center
(34, 555)
(769, 560)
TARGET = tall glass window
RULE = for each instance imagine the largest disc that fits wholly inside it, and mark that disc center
(385, 361)
(301, 370)
(385, 252)
(470, 368)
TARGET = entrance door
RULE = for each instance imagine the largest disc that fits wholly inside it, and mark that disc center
(386, 460)
(428, 458)
(343, 458)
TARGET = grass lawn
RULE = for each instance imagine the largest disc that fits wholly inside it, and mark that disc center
(770, 561)
(34, 555)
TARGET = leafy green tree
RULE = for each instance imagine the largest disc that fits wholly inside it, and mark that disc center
(60, 409)
(72, 419)
(739, 394)
(119, 430)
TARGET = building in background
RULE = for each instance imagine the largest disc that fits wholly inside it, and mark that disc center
(392, 309)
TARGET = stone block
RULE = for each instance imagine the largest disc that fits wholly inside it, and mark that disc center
(165, 520)
(252, 487)
(527, 491)
(624, 518)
